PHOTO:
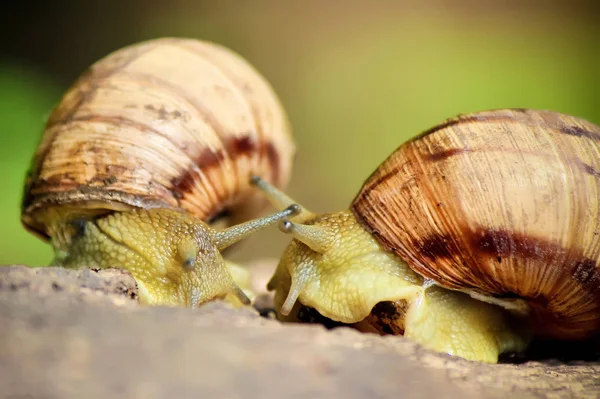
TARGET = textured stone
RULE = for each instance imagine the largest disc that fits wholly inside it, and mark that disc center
(75, 334)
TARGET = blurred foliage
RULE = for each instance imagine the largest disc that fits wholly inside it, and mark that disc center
(26, 97)
(356, 80)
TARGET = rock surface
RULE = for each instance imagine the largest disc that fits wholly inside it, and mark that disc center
(81, 334)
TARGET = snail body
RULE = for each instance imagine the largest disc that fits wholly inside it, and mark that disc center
(471, 238)
(147, 148)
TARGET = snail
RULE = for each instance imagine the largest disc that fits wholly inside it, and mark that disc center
(472, 238)
(145, 154)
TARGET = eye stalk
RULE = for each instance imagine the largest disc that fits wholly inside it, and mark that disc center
(229, 236)
(280, 200)
(318, 238)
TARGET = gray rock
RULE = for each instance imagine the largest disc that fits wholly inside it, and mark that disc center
(81, 334)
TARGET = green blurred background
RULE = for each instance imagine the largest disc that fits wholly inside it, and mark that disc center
(357, 78)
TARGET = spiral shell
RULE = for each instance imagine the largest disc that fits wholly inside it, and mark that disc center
(503, 203)
(176, 123)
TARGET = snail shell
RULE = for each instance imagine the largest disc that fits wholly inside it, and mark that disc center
(169, 123)
(502, 203)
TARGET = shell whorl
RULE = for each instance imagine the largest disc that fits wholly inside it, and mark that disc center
(170, 122)
(502, 202)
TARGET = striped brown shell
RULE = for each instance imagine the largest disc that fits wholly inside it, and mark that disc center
(169, 122)
(504, 203)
